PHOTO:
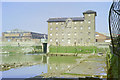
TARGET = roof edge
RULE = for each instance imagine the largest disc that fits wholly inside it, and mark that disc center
(90, 12)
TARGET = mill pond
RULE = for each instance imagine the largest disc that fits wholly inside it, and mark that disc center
(28, 65)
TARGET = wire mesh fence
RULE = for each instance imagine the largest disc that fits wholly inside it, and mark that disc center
(114, 26)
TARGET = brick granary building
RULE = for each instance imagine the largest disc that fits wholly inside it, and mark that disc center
(72, 31)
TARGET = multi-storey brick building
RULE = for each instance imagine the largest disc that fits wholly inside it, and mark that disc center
(72, 31)
(23, 36)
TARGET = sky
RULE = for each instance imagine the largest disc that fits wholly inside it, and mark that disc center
(33, 16)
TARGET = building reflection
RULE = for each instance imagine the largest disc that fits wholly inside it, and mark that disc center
(56, 65)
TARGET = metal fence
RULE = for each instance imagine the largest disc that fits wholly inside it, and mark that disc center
(114, 27)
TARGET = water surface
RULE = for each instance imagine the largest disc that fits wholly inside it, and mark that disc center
(52, 64)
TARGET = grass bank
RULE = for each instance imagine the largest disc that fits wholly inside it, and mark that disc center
(75, 49)
(21, 49)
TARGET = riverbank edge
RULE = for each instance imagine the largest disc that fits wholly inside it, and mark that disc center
(8, 66)
(71, 54)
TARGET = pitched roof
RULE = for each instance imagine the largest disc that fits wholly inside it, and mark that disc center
(73, 18)
(97, 33)
(64, 19)
(90, 12)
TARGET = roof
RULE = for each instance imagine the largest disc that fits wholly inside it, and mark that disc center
(64, 19)
(100, 36)
(22, 31)
(90, 12)
(73, 18)
(97, 33)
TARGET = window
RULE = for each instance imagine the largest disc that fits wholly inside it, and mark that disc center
(68, 33)
(9, 40)
(75, 39)
(56, 28)
(75, 34)
(75, 27)
(62, 33)
(51, 28)
(68, 40)
(88, 33)
(56, 34)
(89, 15)
(62, 39)
(62, 27)
(62, 23)
(50, 23)
(88, 39)
(69, 21)
(88, 27)
(50, 34)
(81, 39)
(21, 34)
(89, 21)
(80, 33)
(81, 27)
(50, 40)
(81, 22)
(56, 40)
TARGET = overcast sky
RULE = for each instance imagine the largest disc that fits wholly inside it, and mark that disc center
(32, 16)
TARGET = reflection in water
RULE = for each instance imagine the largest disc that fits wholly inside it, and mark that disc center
(51, 64)
(44, 59)
(58, 64)
(25, 72)
(21, 58)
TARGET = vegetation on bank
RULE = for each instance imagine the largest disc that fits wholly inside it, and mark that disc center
(21, 49)
(36, 49)
(113, 65)
(12, 49)
(74, 74)
(75, 49)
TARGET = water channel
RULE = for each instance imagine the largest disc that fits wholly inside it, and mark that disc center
(52, 64)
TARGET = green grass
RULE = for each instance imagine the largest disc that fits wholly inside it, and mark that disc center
(74, 74)
(75, 49)
(113, 64)
(114, 67)
(12, 49)
(37, 47)
(18, 49)
(63, 59)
